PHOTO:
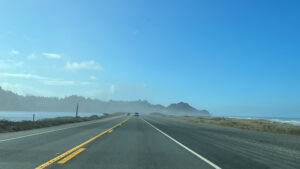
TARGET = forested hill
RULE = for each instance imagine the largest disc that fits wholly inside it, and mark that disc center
(10, 101)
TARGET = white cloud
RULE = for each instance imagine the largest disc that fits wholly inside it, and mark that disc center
(93, 78)
(85, 65)
(85, 83)
(45, 80)
(18, 64)
(32, 56)
(14, 52)
(27, 76)
(65, 83)
(58, 82)
(112, 89)
(6, 64)
(135, 32)
(52, 55)
(23, 89)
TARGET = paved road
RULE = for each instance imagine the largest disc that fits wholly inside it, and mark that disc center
(234, 148)
(157, 142)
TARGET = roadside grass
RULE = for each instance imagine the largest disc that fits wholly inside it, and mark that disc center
(11, 126)
(247, 124)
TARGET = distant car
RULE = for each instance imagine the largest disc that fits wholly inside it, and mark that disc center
(128, 114)
(136, 114)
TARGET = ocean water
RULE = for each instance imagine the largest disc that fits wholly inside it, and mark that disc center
(295, 121)
(19, 116)
(289, 120)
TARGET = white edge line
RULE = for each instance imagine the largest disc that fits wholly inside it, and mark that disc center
(185, 147)
(45, 132)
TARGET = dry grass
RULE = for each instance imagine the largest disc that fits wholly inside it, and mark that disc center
(10, 126)
(248, 124)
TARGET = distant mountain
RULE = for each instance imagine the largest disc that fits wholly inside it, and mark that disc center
(10, 101)
(185, 108)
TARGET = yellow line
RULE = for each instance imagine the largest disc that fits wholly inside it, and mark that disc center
(69, 157)
(77, 147)
(110, 131)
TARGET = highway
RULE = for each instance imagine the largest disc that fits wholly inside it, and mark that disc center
(146, 142)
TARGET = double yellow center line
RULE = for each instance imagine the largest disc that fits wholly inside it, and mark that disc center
(78, 148)
(64, 160)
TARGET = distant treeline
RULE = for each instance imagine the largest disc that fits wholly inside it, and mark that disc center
(10, 101)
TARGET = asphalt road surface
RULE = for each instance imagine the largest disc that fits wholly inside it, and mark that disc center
(146, 142)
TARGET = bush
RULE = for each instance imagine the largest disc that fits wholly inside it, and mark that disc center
(9, 126)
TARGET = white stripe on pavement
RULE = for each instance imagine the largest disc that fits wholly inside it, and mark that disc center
(14, 138)
(185, 147)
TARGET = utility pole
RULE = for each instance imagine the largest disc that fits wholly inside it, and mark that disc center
(77, 111)
(33, 117)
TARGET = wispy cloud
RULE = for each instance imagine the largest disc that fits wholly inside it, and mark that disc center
(52, 55)
(58, 82)
(14, 52)
(32, 56)
(85, 83)
(27, 76)
(85, 65)
(45, 80)
(4, 65)
(7, 64)
(18, 64)
(24, 90)
(93, 78)
(135, 32)
(112, 89)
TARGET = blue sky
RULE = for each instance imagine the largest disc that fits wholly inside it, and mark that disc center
(230, 57)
